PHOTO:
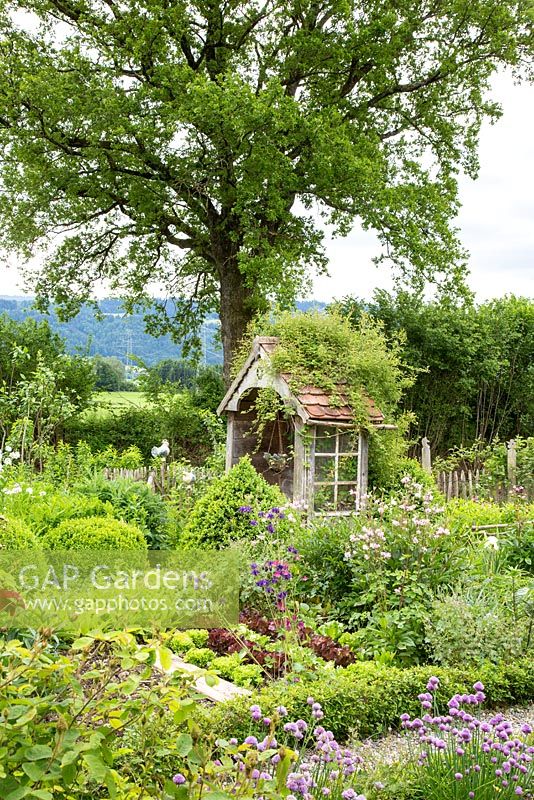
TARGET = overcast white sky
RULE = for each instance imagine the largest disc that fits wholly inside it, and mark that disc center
(496, 220)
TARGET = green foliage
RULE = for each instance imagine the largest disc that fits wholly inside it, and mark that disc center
(248, 675)
(198, 637)
(323, 350)
(472, 627)
(94, 533)
(365, 699)
(322, 548)
(379, 570)
(62, 719)
(15, 534)
(180, 642)
(176, 419)
(473, 364)
(40, 386)
(462, 516)
(216, 520)
(134, 502)
(194, 172)
(208, 388)
(200, 656)
(110, 374)
(43, 512)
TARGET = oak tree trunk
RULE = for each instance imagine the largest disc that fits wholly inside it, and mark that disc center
(236, 311)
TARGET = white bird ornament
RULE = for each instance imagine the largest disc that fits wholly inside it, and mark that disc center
(162, 451)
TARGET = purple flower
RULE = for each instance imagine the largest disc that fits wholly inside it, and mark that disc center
(478, 686)
(432, 684)
(179, 779)
(282, 711)
(251, 740)
(458, 776)
(245, 509)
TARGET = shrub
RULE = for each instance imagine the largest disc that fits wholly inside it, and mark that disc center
(200, 656)
(63, 741)
(215, 519)
(366, 699)
(176, 420)
(472, 630)
(94, 533)
(464, 515)
(15, 534)
(48, 511)
(134, 502)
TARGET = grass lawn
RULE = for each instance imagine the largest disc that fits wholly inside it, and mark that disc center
(104, 402)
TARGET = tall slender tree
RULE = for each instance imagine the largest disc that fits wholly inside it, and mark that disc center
(194, 143)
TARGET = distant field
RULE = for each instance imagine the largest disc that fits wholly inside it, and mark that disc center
(122, 399)
(114, 401)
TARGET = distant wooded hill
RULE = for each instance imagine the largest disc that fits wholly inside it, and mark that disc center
(118, 334)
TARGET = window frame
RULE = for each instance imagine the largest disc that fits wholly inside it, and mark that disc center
(336, 454)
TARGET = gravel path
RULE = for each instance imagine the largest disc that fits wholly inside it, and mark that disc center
(393, 746)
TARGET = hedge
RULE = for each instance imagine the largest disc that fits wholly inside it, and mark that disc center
(366, 699)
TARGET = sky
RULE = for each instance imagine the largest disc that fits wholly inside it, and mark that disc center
(496, 219)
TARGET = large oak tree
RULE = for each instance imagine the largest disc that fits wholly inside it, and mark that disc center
(195, 143)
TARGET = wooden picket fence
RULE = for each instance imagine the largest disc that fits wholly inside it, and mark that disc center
(161, 480)
(464, 482)
(459, 483)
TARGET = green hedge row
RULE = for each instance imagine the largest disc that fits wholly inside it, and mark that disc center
(366, 699)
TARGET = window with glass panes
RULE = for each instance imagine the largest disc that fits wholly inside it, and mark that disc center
(336, 469)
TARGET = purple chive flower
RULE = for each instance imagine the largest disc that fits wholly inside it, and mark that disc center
(478, 686)
(458, 776)
(282, 711)
(251, 740)
(179, 779)
(432, 684)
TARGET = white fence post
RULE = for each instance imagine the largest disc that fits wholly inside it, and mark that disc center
(426, 458)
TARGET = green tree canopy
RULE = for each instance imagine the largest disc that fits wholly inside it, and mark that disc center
(40, 385)
(110, 374)
(474, 364)
(187, 143)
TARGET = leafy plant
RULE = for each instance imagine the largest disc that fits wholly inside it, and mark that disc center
(15, 534)
(136, 503)
(216, 518)
(62, 714)
(200, 656)
(94, 533)
(473, 627)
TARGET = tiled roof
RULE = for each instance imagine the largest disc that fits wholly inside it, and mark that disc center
(316, 402)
